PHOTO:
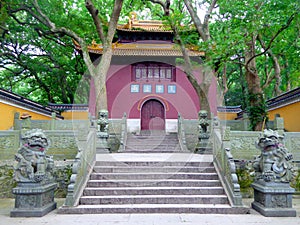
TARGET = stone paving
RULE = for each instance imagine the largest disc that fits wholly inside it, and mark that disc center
(146, 219)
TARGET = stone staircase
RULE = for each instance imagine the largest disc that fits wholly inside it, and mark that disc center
(152, 142)
(153, 176)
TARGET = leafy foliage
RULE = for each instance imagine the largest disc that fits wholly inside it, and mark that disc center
(274, 26)
(257, 112)
(245, 176)
(62, 177)
(7, 181)
(296, 182)
(37, 65)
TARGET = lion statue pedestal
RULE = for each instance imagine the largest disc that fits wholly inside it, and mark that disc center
(34, 194)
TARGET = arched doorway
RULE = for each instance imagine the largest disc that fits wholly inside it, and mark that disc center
(153, 115)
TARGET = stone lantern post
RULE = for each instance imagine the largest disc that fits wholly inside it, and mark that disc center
(273, 172)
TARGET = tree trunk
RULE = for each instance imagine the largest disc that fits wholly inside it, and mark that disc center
(276, 66)
(287, 75)
(99, 73)
(257, 110)
(201, 89)
(277, 70)
(100, 79)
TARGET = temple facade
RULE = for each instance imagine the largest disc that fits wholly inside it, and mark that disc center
(146, 79)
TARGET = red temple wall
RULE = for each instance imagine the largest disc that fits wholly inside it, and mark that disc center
(120, 98)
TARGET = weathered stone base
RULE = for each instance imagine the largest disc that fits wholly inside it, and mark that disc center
(102, 143)
(273, 199)
(33, 200)
(203, 147)
(207, 150)
(102, 151)
(269, 212)
(34, 212)
(102, 146)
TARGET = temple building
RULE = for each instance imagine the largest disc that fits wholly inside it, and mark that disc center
(146, 80)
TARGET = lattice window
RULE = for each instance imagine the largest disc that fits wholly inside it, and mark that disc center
(153, 71)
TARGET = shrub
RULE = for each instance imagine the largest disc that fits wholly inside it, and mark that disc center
(7, 182)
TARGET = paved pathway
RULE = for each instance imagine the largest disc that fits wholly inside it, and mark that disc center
(53, 218)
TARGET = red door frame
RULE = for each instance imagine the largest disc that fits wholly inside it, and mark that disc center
(153, 115)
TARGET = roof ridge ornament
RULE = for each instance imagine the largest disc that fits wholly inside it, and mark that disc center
(132, 19)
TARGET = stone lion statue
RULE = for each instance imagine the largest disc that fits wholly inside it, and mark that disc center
(203, 124)
(203, 121)
(102, 121)
(32, 163)
(274, 162)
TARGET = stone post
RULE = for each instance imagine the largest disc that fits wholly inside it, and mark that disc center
(279, 125)
(17, 123)
(225, 132)
(273, 172)
(26, 121)
(53, 121)
(34, 194)
(246, 121)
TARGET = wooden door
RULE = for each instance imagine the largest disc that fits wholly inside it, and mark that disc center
(153, 116)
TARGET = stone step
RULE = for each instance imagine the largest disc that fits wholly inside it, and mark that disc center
(143, 138)
(154, 208)
(152, 133)
(102, 191)
(123, 169)
(152, 141)
(159, 148)
(154, 199)
(154, 150)
(153, 163)
(149, 176)
(151, 146)
(165, 140)
(151, 138)
(153, 183)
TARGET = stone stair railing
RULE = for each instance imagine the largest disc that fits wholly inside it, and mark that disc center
(123, 138)
(82, 167)
(181, 134)
(224, 164)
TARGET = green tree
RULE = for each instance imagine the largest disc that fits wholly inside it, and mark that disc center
(35, 64)
(246, 33)
(38, 67)
(80, 21)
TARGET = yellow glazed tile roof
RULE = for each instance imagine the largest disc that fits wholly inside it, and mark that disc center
(142, 49)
